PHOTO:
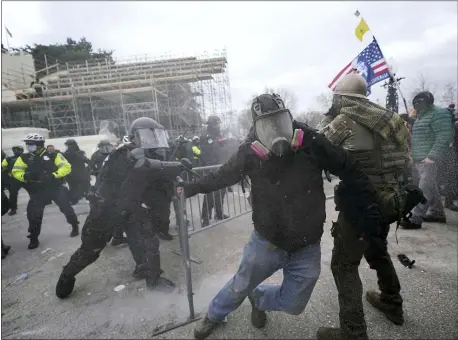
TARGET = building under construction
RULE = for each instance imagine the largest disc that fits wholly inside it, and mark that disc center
(178, 92)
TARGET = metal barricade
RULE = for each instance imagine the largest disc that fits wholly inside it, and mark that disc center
(216, 207)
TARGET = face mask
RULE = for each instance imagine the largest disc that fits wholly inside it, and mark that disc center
(32, 148)
(262, 152)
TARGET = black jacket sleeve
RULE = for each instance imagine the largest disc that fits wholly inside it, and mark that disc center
(359, 200)
(228, 174)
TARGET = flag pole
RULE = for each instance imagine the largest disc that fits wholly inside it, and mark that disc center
(357, 14)
(7, 40)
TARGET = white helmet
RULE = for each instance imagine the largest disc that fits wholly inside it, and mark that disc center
(195, 139)
(126, 140)
(34, 137)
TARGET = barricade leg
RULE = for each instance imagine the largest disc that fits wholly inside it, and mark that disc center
(184, 245)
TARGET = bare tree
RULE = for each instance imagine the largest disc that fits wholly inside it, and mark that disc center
(324, 100)
(449, 95)
(310, 117)
(423, 84)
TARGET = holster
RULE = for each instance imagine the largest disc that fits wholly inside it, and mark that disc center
(413, 196)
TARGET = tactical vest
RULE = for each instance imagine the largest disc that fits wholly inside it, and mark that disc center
(380, 158)
(40, 163)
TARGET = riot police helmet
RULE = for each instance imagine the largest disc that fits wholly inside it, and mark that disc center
(146, 133)
(105, 147)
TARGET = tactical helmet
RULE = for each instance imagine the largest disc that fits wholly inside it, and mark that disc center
(352, 85)
(146, 133)
(34, 138)
(213, 120)
(195, 139)
(69, 142)
(423, 96)
(267, 104)
(17, 148)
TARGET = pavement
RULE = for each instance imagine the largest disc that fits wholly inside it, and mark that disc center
(30, 309)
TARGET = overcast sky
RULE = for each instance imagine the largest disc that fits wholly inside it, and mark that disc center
(300, 46)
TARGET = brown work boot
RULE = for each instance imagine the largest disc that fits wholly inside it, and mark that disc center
(258, 317)
(392, 312)
(204, 328)
(329, 333)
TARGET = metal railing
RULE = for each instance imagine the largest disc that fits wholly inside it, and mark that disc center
(234, 202)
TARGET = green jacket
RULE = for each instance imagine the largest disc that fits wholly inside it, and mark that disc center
(431, 135)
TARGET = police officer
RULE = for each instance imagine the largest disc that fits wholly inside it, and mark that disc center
(212, 151)
(122, 197)
(5, 203)
(97, 158)
(13, 184)
(42, 171)
(377, 138)
(196, 151)
(78, 180)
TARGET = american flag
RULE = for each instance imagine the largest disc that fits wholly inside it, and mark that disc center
(370, 63)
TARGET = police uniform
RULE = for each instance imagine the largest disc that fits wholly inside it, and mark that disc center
(212, 151)
(43, 173)
(120, 199)
(378, 139)
(13, 184)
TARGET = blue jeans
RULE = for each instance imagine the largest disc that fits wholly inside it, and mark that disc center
(261, 260)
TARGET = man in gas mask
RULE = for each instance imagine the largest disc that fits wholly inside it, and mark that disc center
(78, 180)
(97, 158)
(43, 172)
(284, 160)
(378, 139)
(13, 184)
(123, 197)
(212, 150)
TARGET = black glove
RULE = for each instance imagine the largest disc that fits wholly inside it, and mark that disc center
(190, 188)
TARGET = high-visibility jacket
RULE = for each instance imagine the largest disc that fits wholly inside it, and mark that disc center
(53, 162)
(4, 164)
(196, 151)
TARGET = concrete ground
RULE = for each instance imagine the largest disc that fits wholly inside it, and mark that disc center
(30, 308)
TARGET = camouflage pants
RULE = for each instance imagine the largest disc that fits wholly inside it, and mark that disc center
(346, 256)
(98, 230)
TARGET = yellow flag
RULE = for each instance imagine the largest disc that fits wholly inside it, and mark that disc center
(361, 29)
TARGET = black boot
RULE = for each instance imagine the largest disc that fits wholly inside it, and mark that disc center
(220, 218)
(407, 224)
(12, 212)
(118, 241)
(258, 317)
(139, 272)
(165, 236)
(65, 286)
(394, 313)
(75, 230)
(5, 250)
(33, 243)
(160, 284)
(205, 223)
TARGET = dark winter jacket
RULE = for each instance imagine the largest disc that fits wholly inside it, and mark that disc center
(96, 162)
(287, 192)
(78, 160)
(431, 135)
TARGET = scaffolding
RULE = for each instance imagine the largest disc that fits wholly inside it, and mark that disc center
(180, 93)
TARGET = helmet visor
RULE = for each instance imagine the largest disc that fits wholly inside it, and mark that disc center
(106, 149)
(150, 139)
(275, 131)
